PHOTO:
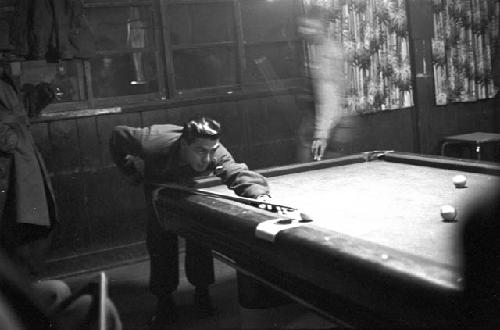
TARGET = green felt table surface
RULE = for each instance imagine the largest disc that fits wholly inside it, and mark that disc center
(378, 244)
(391, 204)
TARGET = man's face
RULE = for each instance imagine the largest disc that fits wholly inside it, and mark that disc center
(199, 153)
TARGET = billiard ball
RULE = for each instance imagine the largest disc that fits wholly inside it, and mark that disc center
(459, 181)
(448, 213)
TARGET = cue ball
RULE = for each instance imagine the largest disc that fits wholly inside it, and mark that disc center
(459, 181)
(448, 212)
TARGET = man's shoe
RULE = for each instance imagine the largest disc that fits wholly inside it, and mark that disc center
(166, 314)
(203, 302)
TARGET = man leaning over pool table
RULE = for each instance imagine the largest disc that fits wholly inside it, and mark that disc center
(172, 154)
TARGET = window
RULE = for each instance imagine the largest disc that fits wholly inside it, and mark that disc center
(151, 50)
(271, 42)
(126, 63)
(203, 43)
(65, 77)
(126, 68)
(233, 44)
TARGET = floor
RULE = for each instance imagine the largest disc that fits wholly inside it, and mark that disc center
(128, 288)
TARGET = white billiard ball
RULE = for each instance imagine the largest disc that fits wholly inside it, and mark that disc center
(459, 181)
(448, 213)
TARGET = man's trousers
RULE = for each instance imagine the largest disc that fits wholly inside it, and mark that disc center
(163, 250)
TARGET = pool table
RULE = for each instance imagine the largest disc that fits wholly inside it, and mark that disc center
(377, 252)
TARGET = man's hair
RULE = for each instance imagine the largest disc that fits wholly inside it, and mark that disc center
(200, 128)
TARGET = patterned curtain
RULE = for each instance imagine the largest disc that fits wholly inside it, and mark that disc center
(464, 35)
(374, 35)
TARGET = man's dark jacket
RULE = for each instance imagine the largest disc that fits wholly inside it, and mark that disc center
(158, 147)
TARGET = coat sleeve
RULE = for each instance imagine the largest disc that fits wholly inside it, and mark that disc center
(328, 82)
(8, 138)
(237, 176)
(9, 122)
(126, 146)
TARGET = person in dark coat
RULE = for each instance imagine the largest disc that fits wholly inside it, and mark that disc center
(27, 204)
(173, 154)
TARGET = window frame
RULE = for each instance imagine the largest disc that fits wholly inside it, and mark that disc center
(242, 85)
(163, 50)
(161, 93)
(93, 102)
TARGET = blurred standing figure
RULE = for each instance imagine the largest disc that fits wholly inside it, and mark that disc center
(325, 68)
(27, 205)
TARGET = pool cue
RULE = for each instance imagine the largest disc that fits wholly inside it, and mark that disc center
(244, 200)
(103, 294)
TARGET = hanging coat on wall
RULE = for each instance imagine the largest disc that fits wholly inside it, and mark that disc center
(20, 158)
(51, 29)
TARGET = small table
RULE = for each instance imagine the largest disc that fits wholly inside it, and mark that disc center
(476, 139)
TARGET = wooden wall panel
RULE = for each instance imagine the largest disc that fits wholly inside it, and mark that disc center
(116, 209)
(232, 121)
(89, 144)
(210, 110)
(271, 119)
(174, 115)
(388, 130)
(234, 134)
(284, 115)
(73, 232)
(256, 115)
(113, 206)
(64, 140)
(275, 153)
(271, 122)
(162, 116)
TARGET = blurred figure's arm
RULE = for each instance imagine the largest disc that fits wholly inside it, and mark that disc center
(328, 81)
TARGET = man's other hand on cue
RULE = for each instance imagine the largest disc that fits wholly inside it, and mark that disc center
(266, 205)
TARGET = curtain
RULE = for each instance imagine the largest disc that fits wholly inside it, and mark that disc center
(374, 35)
(465, 32)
